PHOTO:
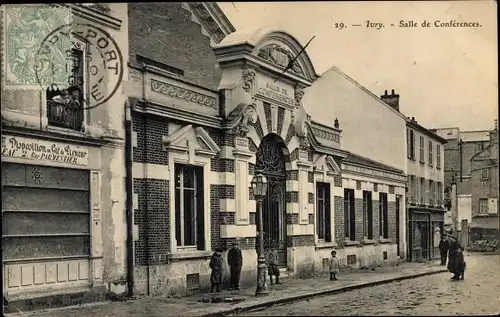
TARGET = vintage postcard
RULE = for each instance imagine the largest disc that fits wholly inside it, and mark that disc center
(330, 158)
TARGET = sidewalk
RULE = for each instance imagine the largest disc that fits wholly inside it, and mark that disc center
(199, 305)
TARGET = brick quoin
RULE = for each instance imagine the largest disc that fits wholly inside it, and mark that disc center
(150, 132)
(338, 202)
(358, 208)
(218, 192)
(391, 210)
(165, 33)
(153, 220)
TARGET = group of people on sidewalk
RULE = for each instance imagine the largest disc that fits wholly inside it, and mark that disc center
(451, 249)
(235, 262)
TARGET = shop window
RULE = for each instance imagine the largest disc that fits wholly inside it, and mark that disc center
(323, 228)
(367, 215)
(65, 106)
(349, 215)
(189, 213)
(383, 216)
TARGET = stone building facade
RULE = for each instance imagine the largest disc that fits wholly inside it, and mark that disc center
(198, 141)
(63, 232)
(461, 146)
(425, 191)
(484, 194)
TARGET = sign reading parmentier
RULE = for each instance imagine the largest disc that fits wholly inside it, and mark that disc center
(27, 148)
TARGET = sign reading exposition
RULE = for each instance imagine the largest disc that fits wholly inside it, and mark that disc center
(26, 148)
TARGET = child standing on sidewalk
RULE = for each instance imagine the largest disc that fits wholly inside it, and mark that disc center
(216, 266)
(272, 263)
(334, 266)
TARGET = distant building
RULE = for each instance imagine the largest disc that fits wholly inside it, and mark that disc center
(425, 152)
(461, 146)
(484, 191)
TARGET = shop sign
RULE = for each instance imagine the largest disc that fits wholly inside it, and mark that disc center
(33, 149)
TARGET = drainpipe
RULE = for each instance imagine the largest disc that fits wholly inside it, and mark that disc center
(461, 162)
(129, 185)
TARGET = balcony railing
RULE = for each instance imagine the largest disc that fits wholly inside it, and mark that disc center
(65, 108)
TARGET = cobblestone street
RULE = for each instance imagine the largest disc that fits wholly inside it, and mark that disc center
(478, 294)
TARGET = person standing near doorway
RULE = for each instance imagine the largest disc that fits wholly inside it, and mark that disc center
(235, 261)
(444, 246)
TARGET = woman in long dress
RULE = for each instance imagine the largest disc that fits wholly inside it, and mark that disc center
(453, 259)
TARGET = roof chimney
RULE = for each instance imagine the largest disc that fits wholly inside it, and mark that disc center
(392, 99)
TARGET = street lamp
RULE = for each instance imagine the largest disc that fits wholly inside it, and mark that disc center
(259, 188)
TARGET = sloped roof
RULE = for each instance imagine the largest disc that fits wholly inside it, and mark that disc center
(360, 160)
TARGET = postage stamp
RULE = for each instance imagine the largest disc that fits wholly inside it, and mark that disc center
(25, 27)
(79, 62)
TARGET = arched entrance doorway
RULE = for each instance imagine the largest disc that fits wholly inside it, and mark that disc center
(270, 161)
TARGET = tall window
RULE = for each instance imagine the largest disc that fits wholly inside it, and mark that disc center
(189, 216)
(483, 205)
(383, 216)
(349, 214)
(411, 144)
(431, 162)
(367, 215)
(438, 156)
(422, 149)
(323, 228)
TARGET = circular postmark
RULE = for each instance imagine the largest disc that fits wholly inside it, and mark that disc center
(79, 63)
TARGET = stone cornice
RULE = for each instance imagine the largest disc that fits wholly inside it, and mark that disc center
(320, 148)
(212, 19)
(80, 140)
(95, 16)
(373, 172)
(171, 90)
(152, 108)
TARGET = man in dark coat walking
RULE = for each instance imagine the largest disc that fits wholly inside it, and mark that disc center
(235, 261)
(444, 245)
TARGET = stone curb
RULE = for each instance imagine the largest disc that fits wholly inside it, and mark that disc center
(320, 293)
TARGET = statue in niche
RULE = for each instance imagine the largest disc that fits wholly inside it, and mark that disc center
(248, 77)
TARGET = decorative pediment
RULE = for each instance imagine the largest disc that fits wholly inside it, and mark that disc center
(281, 56)
(195, 141)
(326, 163)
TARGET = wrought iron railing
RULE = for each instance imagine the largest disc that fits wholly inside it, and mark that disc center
(68, 115)
(65, 108)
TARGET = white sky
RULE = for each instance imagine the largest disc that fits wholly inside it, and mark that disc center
(446, 77)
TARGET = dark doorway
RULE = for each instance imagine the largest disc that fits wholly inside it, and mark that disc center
(270, 161)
